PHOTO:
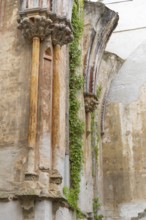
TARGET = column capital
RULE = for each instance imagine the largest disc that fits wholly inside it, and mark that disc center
(91, 102)
(42, 24)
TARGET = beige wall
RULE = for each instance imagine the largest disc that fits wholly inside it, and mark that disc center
(123, 143)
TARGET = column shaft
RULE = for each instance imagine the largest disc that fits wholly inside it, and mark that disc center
(32, 135)
(56, 104)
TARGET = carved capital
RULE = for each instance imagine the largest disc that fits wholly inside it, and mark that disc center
(55, 181)
(55, 177)
(91, 102)
(37, 26)
(44, 24)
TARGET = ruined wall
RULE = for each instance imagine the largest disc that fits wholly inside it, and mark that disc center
(123, 142)
(15, 67)
(15, 74)
(41, 195)
(99, 22)
(109, 68)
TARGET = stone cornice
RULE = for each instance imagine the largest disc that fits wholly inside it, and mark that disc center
(32, 188)
(41, 23)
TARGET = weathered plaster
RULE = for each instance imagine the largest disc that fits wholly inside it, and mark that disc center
(99, 22)
(14, 95)
(64, 213)
(96, 34)
(123, 142)
(10, 210)
(109, 68)
(43, 210)
(15, 72)
(63, 7)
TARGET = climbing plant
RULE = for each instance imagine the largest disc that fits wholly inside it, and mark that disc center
(96, 206)
(95, 140)
(75, 123)
(95, 130)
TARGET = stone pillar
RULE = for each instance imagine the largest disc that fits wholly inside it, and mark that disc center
(88, 150)
(36, 26)
(56, 104)
(58, 124)
(33, 107)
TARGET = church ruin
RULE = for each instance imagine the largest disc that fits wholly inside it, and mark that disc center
(72, 115)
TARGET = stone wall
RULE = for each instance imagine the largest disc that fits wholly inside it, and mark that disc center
(39, 195)
(123, 142)
(109, 68)
(15, 68)
(15, 74)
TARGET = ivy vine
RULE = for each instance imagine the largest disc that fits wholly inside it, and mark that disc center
(75, 123)
(96, 207)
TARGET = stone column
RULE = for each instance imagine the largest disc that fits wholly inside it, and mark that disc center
(32, 135)
(56, 103)
(36, 26)
(88, 144)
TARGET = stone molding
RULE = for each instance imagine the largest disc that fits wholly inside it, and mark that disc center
(40, 23)
(33, 189)
(99, 24)
(55, 177)
(91, 102)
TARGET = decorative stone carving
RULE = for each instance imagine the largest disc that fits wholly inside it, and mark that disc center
(27, 205)
(40, 23)
(91, 102)
(29, 189)
(55, 181)
(38, 26)
(55, 177)
(31, 177)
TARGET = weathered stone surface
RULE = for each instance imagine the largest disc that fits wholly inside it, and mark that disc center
(43, 210)
(38, 193)
(14, 95)
(96, 26)
(37, 23)
(109, 68)
(63, 8)
(99, 24)
(91, 102)
(63, 214)
(123, 148)
(10, 210)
